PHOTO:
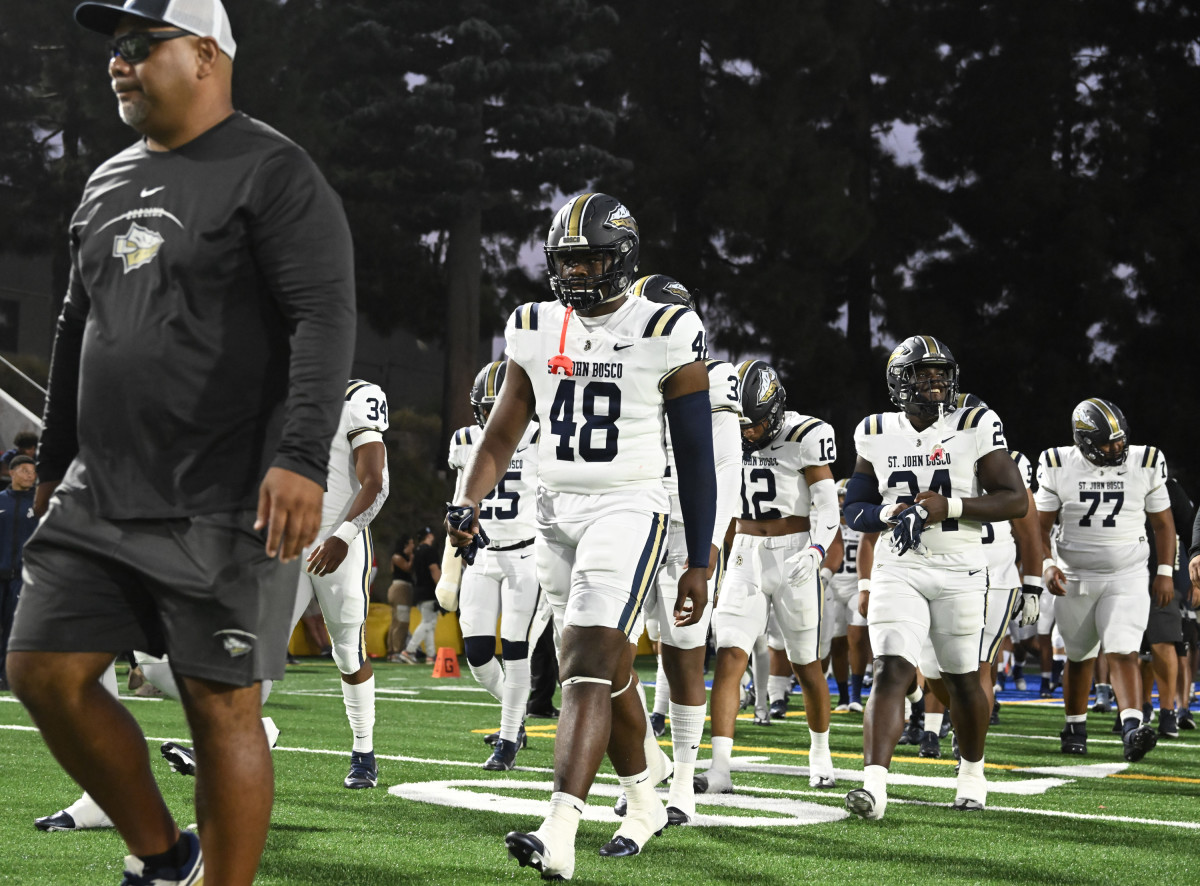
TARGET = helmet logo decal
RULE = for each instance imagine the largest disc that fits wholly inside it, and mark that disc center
(901, 350)
(677, 288)
(767, 386)
(1083, 422)
(621, 218)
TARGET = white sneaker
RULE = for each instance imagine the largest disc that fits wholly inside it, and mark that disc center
(190, 874)
(554, 861)
(856, 707)
(842, 708)
(1021, 684)
(712, 782)
(866, 805)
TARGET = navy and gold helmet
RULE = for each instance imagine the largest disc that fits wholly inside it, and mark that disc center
(486, 388)
(592, 227)
(764, 401)
(662, 289)
(968, 401)
(911, 394)
(1097, 422)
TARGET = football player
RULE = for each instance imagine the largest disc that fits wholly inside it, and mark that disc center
(928, 476)
(339, 565)
(787, 521)
(844, 616)
(600, 370)
(503, 579)
(1101, 492)
(682, 647)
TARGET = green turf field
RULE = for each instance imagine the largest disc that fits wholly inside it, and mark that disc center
(437, 817)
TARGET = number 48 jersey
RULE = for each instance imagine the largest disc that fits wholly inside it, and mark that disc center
(602, 426)
(507, 513)
(364, 419)
(1102, 527)
(940, 459)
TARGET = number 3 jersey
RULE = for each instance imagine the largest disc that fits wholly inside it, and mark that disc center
(364, 419)
(940, 459)
(1101, 530)
(602, 427)
(507, 513)
(773, 481)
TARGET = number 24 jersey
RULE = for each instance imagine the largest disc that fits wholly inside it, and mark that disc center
(940, 459)
(602, 428)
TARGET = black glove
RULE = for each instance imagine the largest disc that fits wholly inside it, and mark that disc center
(460, 517)
(909, 526)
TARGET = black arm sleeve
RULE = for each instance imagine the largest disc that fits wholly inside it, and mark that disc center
(59, 442)
(303, 249)
(1195, 549)
(690, 419)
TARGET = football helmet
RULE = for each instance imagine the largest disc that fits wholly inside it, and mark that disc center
(910, 393)
(486, 388)
(763, 401)
(968, 401)
(592, 228)
(1096, 422)
(662, 289)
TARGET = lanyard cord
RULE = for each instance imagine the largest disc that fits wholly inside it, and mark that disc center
(561, 360)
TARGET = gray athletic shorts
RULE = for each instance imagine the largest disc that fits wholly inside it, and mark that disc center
(1166, 622)
(200, 589)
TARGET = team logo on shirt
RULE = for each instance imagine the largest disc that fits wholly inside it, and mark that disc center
(137, 246)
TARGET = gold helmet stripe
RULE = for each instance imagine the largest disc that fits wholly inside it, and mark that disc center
(931, 346)
(1108, 414)
(493, 371)
(576, 218)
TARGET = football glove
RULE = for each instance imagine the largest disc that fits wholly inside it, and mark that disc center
(802, 567)
(460, 517)
(910, 523)
(1029, 605)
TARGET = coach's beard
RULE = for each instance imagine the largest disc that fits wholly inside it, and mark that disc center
(133, 109)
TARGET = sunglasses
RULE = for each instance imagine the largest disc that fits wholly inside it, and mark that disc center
(135, 46)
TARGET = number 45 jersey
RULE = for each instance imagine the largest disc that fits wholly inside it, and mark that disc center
(1102, 527)
(507, 513)
(602, 427)
(941, 459)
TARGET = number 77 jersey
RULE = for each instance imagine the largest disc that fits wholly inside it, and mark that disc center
(940, 459)
(602, 426)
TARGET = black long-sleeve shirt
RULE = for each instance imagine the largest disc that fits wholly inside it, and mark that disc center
(208, 329)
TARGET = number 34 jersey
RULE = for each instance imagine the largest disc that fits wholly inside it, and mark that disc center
(602, 427)
(773, 481)
(507, 513)
(1101, 531)
(364, 419)
(940, 459)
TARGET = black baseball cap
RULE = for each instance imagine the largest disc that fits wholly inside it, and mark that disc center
(204, 18)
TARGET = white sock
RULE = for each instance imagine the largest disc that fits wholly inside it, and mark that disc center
(360, 710)
(760, 667)
(971, 769)
(933, 722)
(662, 690)
(562, 821)
(491, 677)
(516, 695)
(649, 740)
(687, 725)
(1076, 718)
(777, 687)
(266, 690)
(1131, 712)
(87, 813)
(916, 695)
(109, 681)
(639, 792)
(875, 781)
(722, 747)
(819, 757)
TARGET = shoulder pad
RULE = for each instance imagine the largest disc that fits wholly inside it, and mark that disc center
(798, 433)
(356, 385)
(536, 435)
(1015, 455)
(526, 317)
(664, 320)
(1151, 457)
(1052, 458)
(462, 437)
(873, 424)
(970, 418)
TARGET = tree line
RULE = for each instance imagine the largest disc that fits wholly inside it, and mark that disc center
(1040, 215)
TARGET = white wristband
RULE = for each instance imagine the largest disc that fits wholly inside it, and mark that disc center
(1048, 564)
(1166, 569)
(347, 532)
(826, 576)
(953, 507)
(864, 584)
(1035, 580)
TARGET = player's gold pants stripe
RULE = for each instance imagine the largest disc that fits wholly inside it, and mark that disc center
(1003, 632)
(643, 575)
(366, 591)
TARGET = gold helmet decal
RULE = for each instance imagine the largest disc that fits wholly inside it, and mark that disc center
(901, 350)
(678, 289)
(768, 384)
(621, 218)
(1083, 421)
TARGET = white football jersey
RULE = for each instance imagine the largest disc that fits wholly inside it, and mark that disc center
(508, 512)
(940, 459)
(998, 542)
(1101, 530)
(773, 482)
(364, 419)
(722, 397)
(845, 579)
(602, 427)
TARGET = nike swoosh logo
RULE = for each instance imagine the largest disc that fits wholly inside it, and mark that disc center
(976, 572)
(780, 446)
(621, 347)
(1121, 473)
(146, 192)
(526, 556)
(948, 439)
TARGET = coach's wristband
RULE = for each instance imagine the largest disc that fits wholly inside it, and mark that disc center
(1166, 569)
(1035, 580)
(864, 584)
(1048, 564)
(953, 507)
(347, 532)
